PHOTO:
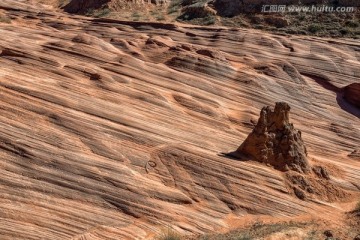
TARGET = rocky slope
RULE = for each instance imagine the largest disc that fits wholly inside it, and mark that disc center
(115, 130)
(233, 13)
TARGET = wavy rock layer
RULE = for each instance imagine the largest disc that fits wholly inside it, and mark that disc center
(85, 105)
(352, 94)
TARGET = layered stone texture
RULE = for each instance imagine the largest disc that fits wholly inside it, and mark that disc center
(352, 94)
(113, 130)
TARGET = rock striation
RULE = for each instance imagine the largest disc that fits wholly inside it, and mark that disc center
(275, 141)
(355, 154)
(111, 129)
(352, 94)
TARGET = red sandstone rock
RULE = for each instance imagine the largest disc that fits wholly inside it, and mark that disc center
(88, 106)
(352, 94)
(275, 141)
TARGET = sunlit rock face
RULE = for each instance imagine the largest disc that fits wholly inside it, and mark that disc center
(114, 129)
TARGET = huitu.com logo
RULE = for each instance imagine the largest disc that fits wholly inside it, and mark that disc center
(305, 9)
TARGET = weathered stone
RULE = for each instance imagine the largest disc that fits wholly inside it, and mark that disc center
(275, 141)
(299, 193)
(328, 233)
(321, 172)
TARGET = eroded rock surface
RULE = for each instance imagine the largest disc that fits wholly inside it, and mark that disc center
(352, 94)
(275, 141)
(112, 129)
(355, 154)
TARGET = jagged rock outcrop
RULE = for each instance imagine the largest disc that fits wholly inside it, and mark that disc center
(275, 141)
(198, 11)
(81, 6)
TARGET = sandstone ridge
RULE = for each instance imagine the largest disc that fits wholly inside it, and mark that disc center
(112, 129)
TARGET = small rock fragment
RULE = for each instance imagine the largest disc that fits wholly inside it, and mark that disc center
(321, 172)
(299, 193)
(328, 233)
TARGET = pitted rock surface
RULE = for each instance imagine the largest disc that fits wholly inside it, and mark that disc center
(275, 141)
